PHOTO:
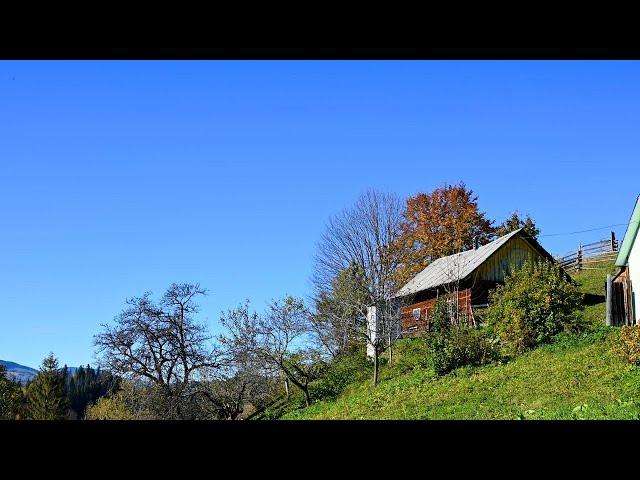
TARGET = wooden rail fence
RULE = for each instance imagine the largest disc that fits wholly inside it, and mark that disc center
(591, 255)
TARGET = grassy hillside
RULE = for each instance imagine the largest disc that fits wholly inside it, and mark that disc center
(576, 377)
(573, 378)
(592, 284)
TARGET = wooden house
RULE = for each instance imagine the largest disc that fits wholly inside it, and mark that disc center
(471, 274)
(622, 287)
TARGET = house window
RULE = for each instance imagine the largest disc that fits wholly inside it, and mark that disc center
(416, 313)
(413, 328)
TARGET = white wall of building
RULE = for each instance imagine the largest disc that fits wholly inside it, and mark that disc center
(634, 275)
(373, 325)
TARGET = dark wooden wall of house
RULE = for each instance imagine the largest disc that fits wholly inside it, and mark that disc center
(480, 292)
(413, 326)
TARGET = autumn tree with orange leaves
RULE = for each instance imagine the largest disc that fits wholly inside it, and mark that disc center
(440, 223)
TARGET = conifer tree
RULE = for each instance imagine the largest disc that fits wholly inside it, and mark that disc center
(516, 221)
(46, 397)
(86, 385)
(11, 397)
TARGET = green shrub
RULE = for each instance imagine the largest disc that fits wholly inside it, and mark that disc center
(109, 408)
(461, 346)
(446, 316)
(628, 345)
(439, 318)
(131, 402)
(535, 303)
(339, 373)
(410, 353)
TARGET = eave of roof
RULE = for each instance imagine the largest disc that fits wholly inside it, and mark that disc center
(629, 236)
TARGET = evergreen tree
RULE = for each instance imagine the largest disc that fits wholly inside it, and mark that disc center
(514, 222)
(46, 396)
(65, 374)
(11, 397)
(86, 385)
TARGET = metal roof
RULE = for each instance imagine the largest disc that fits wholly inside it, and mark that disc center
(629, 236)
(455, 267)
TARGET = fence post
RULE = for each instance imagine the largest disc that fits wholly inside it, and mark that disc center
(613, 242)
(579, 258)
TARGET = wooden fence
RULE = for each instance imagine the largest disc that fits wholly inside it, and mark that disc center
(591, 255)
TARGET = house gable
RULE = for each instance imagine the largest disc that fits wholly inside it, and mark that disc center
(514, 252)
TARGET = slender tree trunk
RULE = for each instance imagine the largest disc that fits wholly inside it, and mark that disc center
(302, 386)
(307, 397)
(375, 368)
(286, 386)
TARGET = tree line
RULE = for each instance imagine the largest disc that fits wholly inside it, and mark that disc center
(159, 361)
(54, 393)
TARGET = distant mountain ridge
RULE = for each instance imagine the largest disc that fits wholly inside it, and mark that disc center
(22, 373)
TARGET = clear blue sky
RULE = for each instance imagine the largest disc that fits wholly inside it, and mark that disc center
(122, 177)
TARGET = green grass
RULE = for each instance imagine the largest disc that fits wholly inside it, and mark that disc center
(575, 377)
(593, 282)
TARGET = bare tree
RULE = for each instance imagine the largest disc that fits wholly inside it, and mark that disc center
(228, 396)
(454, 271)
(279, 339)
(161, 343)
(338, 315)
(244, 379)
(365, 236)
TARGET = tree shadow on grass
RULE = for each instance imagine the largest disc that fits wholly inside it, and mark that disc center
(591, 299)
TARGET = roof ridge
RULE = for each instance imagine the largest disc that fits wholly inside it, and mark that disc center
(424, 279)
(476, 249)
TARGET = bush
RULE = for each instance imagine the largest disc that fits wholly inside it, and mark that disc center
(446, 315)
(109, 408)
(461, 346)
(628, 345)
(131, 402)
(340, 372)
(347, 368)
(410, 353)
(535, 303)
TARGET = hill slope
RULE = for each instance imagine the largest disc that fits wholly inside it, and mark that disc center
(575, 377)
(24, 374)
(19, 372)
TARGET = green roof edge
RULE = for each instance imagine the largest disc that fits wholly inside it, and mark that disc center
(629, 236)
